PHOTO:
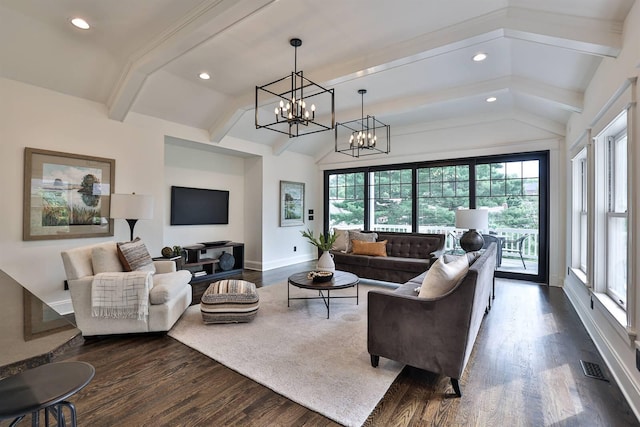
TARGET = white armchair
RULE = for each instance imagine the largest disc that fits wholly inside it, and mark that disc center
(169, 295)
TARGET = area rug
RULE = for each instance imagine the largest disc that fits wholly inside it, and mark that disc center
(320, 363)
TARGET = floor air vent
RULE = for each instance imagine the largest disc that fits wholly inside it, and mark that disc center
(592, 370)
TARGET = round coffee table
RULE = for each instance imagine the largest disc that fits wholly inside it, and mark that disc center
(45, 387)
(340, 280)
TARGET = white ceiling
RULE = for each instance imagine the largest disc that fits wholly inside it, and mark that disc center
(412, 56)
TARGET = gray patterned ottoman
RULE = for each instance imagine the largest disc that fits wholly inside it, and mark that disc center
(229, 301)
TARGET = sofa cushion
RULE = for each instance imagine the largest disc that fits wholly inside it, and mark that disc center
(363, 237)
(104, 258)
(370, 248)
(412, 245)
(342, 240)
(443, 277)
(167, 285)
(135, 256)
(350, 259)
(412, 265)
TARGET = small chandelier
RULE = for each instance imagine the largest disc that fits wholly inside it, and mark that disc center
(294, 107)
(364, 136)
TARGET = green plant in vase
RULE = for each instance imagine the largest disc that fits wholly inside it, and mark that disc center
(324, 242)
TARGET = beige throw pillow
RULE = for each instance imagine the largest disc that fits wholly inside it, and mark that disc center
(342, 240)
(443, 277)
(104, 259)
(135, 256)
(364, 237)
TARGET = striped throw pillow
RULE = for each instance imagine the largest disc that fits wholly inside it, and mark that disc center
(134, 256)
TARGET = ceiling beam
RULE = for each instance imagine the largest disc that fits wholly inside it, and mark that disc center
(587, 36)
(562, 98)
(204, 22)
(222, 124)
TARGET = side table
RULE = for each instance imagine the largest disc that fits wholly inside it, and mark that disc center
(45, 387)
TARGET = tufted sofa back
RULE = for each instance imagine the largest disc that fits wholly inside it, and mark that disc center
(412, 245)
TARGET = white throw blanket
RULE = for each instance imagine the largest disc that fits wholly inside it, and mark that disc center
(121, 295)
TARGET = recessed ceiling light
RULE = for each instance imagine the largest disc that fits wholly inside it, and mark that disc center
(491, 99)
(80, 23)
(204, 76)
(478, 57)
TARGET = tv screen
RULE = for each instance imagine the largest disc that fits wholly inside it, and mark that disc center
(193, 206)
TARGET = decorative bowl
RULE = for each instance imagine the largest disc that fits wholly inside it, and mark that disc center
(320, 276)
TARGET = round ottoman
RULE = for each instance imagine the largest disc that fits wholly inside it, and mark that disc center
(229, 301)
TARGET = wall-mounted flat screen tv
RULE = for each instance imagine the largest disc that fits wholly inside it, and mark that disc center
(195, 206)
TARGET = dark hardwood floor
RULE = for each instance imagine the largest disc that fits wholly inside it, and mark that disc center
(524, 371)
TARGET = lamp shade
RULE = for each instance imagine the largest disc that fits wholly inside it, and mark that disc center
(472, 219)
(131, 206)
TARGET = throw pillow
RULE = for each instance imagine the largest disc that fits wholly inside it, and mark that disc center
(135, 256)
(358, 235)
(104, 259)
(443, 277)
(342, 240)
(370, 248)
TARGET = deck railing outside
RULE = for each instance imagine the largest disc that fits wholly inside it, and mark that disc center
(509, 248)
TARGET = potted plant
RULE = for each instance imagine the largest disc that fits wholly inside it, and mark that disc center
(324, 242)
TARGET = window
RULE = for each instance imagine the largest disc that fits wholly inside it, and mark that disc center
(441, 190)
(391, 200)
(346, 199)
(610, 257)
(616, 223)
(580, 206)
(423, 197)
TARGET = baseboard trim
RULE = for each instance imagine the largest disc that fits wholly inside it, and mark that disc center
(618, 369)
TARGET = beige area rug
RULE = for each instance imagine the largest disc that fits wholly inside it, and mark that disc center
(321, 363)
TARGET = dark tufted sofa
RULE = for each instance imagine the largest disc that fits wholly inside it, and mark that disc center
(408, 254)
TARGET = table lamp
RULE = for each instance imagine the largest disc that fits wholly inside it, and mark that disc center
(472, 220)
(131, 207)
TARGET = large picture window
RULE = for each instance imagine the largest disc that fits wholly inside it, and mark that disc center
(424, 197)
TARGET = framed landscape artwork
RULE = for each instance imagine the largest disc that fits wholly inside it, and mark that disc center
(66, 195)
(291, 203)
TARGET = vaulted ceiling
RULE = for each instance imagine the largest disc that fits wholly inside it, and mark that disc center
(414, 57)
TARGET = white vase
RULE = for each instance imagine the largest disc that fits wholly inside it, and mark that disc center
(325, 262)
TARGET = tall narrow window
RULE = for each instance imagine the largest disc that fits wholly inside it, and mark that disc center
(580, 206)
(583, 215)
(616, 222)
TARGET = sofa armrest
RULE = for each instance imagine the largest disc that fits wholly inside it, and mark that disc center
(165, 266)
(430, 334)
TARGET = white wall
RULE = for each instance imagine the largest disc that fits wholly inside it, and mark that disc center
(278, 242)
(614, 343)
(253, 202)
(201, 168)
(34, 117)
